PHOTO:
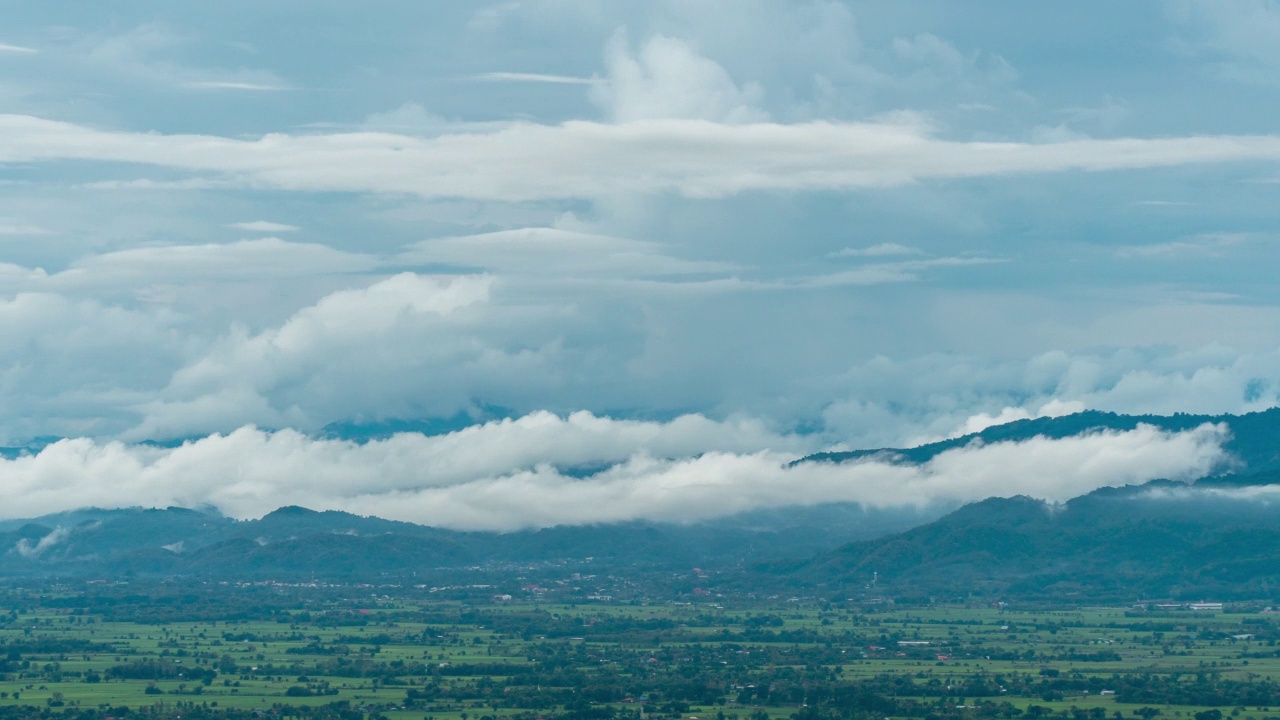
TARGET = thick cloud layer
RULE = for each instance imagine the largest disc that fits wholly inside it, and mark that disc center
(860, 224)
(286, 334)
(516, 474)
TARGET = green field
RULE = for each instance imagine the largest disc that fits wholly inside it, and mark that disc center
(338, 655)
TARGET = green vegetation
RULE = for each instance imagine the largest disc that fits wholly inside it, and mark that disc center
(222, 650)
(1113, 545)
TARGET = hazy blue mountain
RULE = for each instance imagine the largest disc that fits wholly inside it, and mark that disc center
(363, 430)
(31, 447)
(1255, 437)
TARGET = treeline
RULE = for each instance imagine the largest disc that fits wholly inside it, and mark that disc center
(160, 670)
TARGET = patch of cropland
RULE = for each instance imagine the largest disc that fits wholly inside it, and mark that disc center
(127, 650)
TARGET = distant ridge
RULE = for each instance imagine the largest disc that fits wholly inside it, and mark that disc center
(295, 542)
(1254, 442)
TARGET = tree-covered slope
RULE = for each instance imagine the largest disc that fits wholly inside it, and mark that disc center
(1220, 539)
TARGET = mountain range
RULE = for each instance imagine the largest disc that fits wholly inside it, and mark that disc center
(1216, 537)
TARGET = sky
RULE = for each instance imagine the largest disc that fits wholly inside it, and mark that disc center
(685, 240)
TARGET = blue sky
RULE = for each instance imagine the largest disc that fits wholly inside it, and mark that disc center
(842, 224)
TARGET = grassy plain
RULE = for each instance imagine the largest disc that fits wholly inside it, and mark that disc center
(406, 658)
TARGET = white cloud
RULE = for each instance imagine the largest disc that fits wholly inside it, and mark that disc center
(733, 309)
(16, 49)
(882, 273)
(561, 319)
(982, 421)
(271, 332)
(1239, 41)
(241, 260)
(669, 79)
(368, 349)
(560, 253)
(137, 269)
(1207, 245)
(408, 118)
(929, 49)
(878, 250)
(185, 184)
(1264, 495)
(30, 550)
(232, 85)
(1105, 117)
(489, 18)
(501, 476)
(885, 402)
(10, 230)
(414, 119)
(73, 366)
(937, 60)
(264, 226)
(149, 52)
(524, 77)
(696, 158)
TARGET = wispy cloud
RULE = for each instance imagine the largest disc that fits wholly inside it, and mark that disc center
(264, 226)
(7, 230)
(155, 52)
(879, 250)
(30, 550)
(552, 252)
(522, 77)
(695, 158)
(666, 78)
(184, 184)
(884, 273)
(1213, 244)
(232, 85)
(18, 49)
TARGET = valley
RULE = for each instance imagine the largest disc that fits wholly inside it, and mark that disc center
(99, 650)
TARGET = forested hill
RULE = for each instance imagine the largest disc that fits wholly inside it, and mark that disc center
(1219, 538)
(295, 542)
(1255, 437)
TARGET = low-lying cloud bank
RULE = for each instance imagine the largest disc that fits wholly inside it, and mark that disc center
(1258, 495)
(519, 473)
